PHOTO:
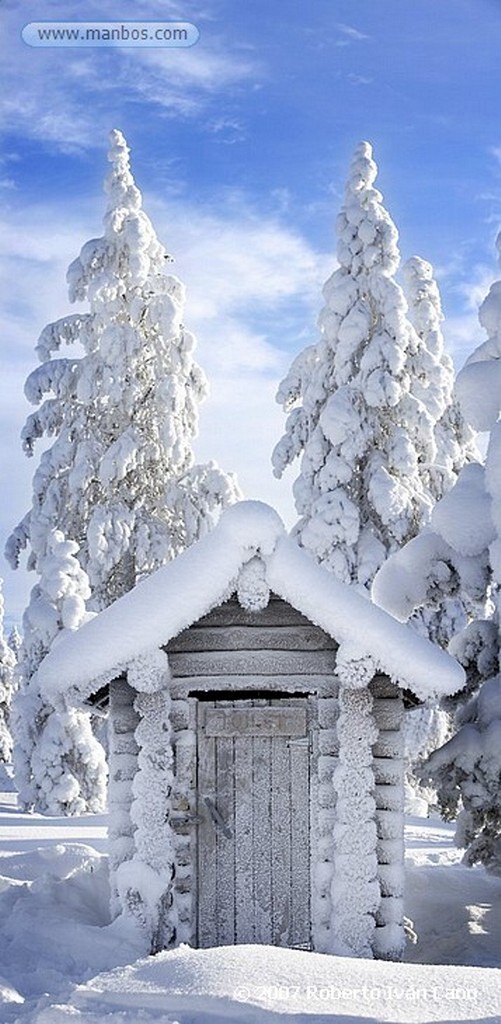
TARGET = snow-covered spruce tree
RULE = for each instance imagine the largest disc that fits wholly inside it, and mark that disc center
(466, 771)
(445, 567)
(7, 688)
(433, 384)
(462, 550)
(425, 729)
(433, 377)
(119, 478)
(360, 414)
(59, 764)
(469, 766)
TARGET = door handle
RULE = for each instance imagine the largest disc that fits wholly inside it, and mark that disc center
(183, 820)
(218, 821)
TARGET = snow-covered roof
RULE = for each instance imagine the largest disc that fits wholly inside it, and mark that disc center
(181, 592)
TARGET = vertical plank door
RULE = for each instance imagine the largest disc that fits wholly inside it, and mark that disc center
(254, 817)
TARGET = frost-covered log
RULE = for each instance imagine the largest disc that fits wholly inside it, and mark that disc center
(356, 893)
(145, 882)
(122, 761)
(388, 711)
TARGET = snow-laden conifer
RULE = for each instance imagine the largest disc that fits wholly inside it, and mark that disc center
(356, 417)
(469, 766)
(7, 687)
(119, 478)
(432, 374)
(59, 764)
(432, 378)
(461, 553)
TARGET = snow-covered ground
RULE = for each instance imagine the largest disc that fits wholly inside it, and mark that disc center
(61, 962)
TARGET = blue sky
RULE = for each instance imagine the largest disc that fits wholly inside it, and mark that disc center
(241, 146)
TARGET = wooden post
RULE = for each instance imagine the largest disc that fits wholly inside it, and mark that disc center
(389, 936)
(123, 721)
(145, 882)
(355, 887)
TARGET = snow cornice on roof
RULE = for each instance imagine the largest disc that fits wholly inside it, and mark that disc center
(205, 575)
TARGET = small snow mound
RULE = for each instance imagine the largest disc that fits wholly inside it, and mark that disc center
(477, 390)
(490, 310)
(463, 516)
(401, 584)
(253, 526)
(415, 267)
(363, 169)
(253, 591)
(364, 149)
(59, 861)
(117, 142)
(258, 983)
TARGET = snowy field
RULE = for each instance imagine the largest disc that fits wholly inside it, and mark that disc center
(63, 963)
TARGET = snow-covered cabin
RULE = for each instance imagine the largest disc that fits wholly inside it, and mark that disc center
(256, 772)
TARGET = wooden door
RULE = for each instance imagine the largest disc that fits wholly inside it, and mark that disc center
(253, 836)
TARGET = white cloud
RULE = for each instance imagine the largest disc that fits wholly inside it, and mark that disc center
(462, 331)
(67, 96)
(228, 129)
(351, 32)
(237, 258)
(247, 447)
(209, 70)
(475, 289)
(359, 79)
(462, 335)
